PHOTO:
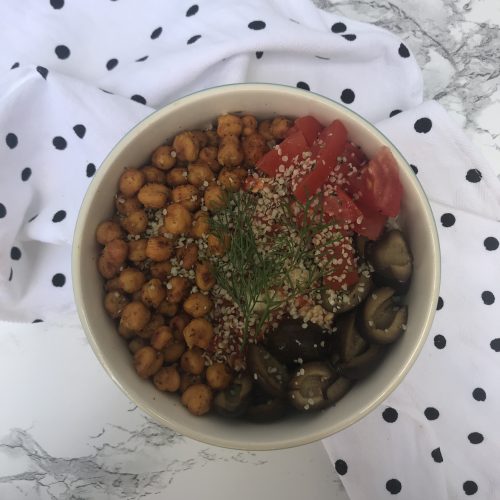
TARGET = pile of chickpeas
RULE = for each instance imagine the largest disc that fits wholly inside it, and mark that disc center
(157, 271)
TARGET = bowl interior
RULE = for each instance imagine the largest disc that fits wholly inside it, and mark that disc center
(198, 110)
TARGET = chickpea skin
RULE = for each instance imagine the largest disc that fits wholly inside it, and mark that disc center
(159, 248)
(108, 231)
(214, 198)
(107, 269)
(131, 280)
(265, 130)
(197, 398)
(135, 223)
(135, 316)
(114, 302)
(230, 153)
(199, 333)
(187, 255)
(200, 174)
(116, 251)
(229, 125)
(192, 361)
(208, 155)
(254, 148)
(162, 337)
(280, 126)
(204, 277)
(249, 123)
(167, 379)
(161, 270)
(188, 196)
(153, 293)
(198, 305)
(177, 177)
(177, 289)
(218, 376)
(137, 250)
(153, 195)
(200, 225)
(187, 146)
(126, 206)
(131, 181)
(154, 175)
(178, 219)
(147, 361)
(164, 157)
(174, 351)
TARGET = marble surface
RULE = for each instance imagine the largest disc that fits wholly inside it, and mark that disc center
(66, 431)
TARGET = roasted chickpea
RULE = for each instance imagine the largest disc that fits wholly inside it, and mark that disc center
(148, 331)
(230, 153)
(131, 181)
(204, 277)
(208, 155)
(280, 126)
(218, 246)
(167, 379)
(153, 195)
(200, 225)
(200, 174)
(137, 250)
(188, 196)
(135, 223)
(192, 361)
(265, 130)
(125, 332)
(137, 296)
(125, 206)
(229, 125)
(164, 157)
(108, 231)
(162, 337)
(107, 268)
(197, 398)
(187, 146)
(198, 305)
(131, 279)
(154, 175)
(114, 302)
(201, 136)
(159, 248)
(249, 123)
(177, 325)
(229, 180)
(135, 316)
(187, 255)
(177, 289)
(147, 361)
(199, 333)
(168, 309)
(153, 293)
(214, 198)
(178, 219)
(212, 137)
(177, 177)
(116, 251)
(112, 285)
(174, 351)
(135, 344)
(187, 380)
(254, 148)
(218, 376)
(161, 270)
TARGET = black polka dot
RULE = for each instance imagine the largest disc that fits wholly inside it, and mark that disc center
(62, 52)
(80, 130)
(32, 218)
(257, 25)
(447, 220)
(259, 54)
(59, 142)
(303, 85)
(58, 280)
(11, 140)
(26, 174)
(470, 487)
(440, 304)
(495, 345)
(3, 211)
(403, 51)
(90, 170)
(43, 71)
(112, 63)
(414, 168)
(351, 38)
(141, 59)
(440, 341)
(15, 65)
(341, 467)
(436, 455)
(491, 243)
(192, 10)
(59, 216)
(138, 98)
(475, 437)
(488, 297)
(474, 175)
(390, 415)
(193, 39)
(394, 113)
(38, 320)
(393, 486)
(15, 253)
(57, 4)
(11, 274)
(156, 33)
(423, 125)
(479, 394)
(347, 96)
(338, 27)
(431, 413)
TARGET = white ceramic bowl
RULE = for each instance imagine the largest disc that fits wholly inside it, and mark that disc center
(196, 110)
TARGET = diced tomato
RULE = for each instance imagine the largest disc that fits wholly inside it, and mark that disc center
(283, 154)
(325, 150)
(309, 126)
(371, 225)
(342, 263)
(339, 206)
(354, 155)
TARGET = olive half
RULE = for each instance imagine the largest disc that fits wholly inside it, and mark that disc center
(271, 375)
(338, 389)
(233, 401)
(308, 387)
(349, 342)
(345, 301)
(268, 411)
(382, 321)
(362, 365)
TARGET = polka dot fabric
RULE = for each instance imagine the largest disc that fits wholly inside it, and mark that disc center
(435, 436)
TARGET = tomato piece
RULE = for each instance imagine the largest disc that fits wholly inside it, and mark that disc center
(310, 127)
(354, 155)
(340, 207)
(371, 224)
(325, 151)
(283, 154)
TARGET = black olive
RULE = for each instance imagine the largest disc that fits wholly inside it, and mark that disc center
(360, 243)
(267, 371)
(352, 297)
(268, 411)
(362, 365)
(233, 401)
(309, 385)
(349, 342)
(291, 342)
(338, 389)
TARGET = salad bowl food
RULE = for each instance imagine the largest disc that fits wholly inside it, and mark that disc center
(256, 266)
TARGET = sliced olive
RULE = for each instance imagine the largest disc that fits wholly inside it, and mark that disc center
(382, 321)
(391, 258)
(268, 411)
(338, 389)
(309, 385)
(341, 302)
(349, 342)
(233, 401)
(267, 371)
(291, 342)
(362, 365)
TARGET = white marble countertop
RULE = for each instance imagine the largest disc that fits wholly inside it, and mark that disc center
(67, 432)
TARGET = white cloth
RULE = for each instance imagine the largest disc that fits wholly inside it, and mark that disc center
(58, 121)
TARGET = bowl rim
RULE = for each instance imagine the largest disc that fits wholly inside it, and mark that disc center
(178, 426)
